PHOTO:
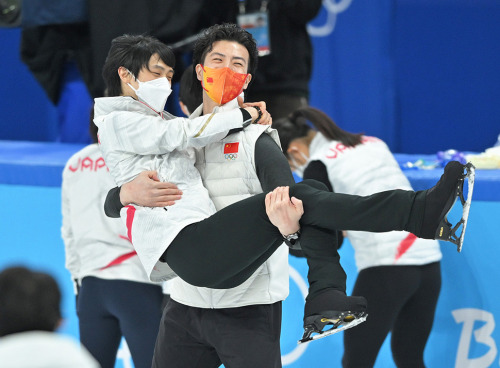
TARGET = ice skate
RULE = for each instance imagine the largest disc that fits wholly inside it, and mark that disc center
(445, 230)
(332, 308)
(440, 199)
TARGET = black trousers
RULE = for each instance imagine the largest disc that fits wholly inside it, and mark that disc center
(223, 250)
(402, 299)
(192, 337)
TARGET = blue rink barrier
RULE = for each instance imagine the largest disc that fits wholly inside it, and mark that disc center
(464, 332)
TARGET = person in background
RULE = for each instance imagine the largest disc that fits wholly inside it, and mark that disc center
(397, 265)
(285, 48)
(189, 100)
(114, 295)
(29, 316)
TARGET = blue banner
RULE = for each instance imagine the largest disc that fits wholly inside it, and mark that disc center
(422, 75)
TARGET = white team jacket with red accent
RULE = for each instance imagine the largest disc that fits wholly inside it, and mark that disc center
(134, 138)
(228, 171)
(363, 170)
(92, 240)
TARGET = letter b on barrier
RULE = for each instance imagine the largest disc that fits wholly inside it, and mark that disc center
(482, 335)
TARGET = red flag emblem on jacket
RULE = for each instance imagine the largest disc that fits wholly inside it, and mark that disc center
(231, 147)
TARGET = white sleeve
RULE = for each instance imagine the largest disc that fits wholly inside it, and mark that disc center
(72, 259)
(149, 135)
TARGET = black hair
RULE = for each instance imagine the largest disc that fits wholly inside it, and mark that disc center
(296, 126)
(29, 301)
(132, 52)
(189, 96)
(223, 32)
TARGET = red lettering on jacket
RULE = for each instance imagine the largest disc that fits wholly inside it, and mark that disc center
(334, 155)
(73, 169)
(340, 148)
(88, 164)
(99, 164)
(335, 152)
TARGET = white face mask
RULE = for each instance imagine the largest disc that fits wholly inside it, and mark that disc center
(299, 169)
(154, 93)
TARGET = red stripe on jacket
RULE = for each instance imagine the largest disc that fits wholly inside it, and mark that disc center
(405, 244)
(120, 259)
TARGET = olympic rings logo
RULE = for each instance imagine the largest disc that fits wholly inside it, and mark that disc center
(231, 156)
(332, 8)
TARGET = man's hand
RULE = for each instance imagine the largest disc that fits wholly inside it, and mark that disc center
(265, 119)
(283, 212)
(148, 191)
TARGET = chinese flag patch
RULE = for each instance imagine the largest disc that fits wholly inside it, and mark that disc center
(231, 147)
(210, 80)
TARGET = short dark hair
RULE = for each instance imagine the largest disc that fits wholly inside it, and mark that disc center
(29, 301)
(224, 32)
(189, 96)
(132, 52)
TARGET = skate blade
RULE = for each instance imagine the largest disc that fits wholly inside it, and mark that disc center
(338, 325)
(471, 175)
(446, 231)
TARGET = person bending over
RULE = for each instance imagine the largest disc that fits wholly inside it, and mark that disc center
(403, 268)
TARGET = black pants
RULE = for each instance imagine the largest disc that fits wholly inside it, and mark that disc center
(401, 299)
(110, 309)
(225, 249)
(197, 337)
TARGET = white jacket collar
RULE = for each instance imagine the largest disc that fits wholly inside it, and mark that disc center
(107, 105)
(231, 105)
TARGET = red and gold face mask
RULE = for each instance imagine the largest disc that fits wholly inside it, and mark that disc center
(222, 84)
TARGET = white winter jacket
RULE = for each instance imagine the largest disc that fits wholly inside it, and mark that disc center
(41, 349)
(95, 245)
(134, 138)
(227, 168)
(363, 170)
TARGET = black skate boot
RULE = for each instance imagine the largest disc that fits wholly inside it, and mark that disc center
(440, 199)
(335, 308)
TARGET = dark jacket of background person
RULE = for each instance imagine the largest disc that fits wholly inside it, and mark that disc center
(47, 44)
(287, 69)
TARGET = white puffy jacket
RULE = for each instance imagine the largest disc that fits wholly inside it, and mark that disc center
(362, 170)
(134, 138)
(94, 242)
(228, 172)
